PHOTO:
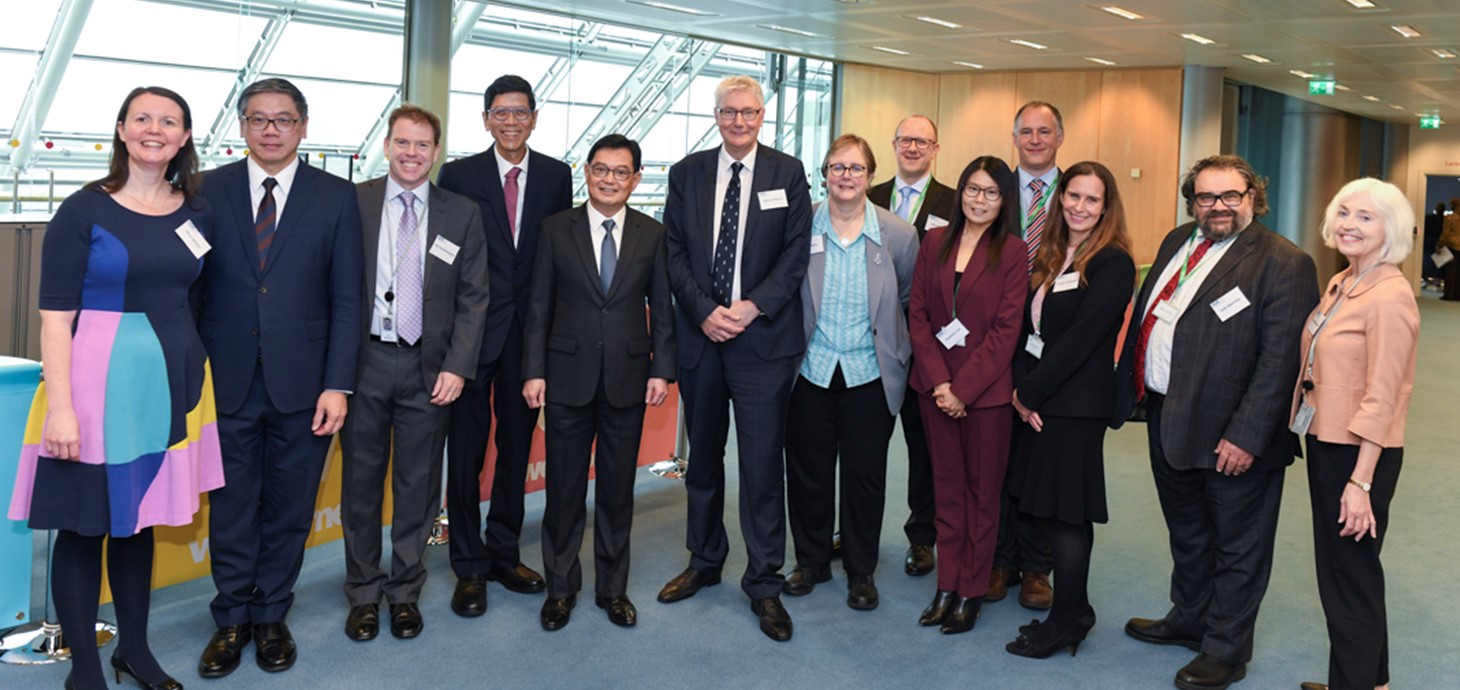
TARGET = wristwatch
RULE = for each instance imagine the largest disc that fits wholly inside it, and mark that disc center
(1363, 486)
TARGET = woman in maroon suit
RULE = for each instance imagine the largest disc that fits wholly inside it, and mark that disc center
(965, 312)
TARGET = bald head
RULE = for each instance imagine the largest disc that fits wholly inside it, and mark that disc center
(916, 145)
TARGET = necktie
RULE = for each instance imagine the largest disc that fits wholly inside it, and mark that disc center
(264, 226)
(904, 207)
(1034, 225)
(510, 191)
(607, 256)
(723, 269)
(408, 273)
(1144, 337)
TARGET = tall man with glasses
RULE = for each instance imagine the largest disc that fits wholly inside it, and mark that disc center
(594, 362)
(739, 222)
(918, 198)
(1211, 356)
(281, 322)
(516, 188)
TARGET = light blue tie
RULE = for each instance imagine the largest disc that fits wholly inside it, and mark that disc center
(904, 207)
(608, 257)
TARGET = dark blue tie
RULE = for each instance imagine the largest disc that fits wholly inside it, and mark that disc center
(607, 256)
(723, 271)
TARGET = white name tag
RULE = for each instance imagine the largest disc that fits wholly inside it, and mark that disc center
(444, 250)
(1230, 304)
(772, 198)
(1034, 345)
(953, 334)
(934, 222)
(193, 239)
(1166, 312)
(1068, 281)
(1316, 322)
(818, 244)
(1302, 420)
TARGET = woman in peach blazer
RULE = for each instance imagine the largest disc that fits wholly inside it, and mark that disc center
(1351, 400)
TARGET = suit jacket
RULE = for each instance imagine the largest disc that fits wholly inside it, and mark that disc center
(1363, 370)
(939, 202)
(576, 336)
(1073, 377)
(548, 190)
(773, 255)
(299, 317)
(889, 282)
(990, 305)
(1229, 380)
(454, 296)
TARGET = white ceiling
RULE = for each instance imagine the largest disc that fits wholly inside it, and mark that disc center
(1328, 38)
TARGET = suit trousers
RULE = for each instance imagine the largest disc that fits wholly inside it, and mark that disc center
(969, 459)
(497, 388)
(260, 518)
(391, 408)
(1350, 576)
(571, 431)
(733, 374)
(1023, 539)
(1222, 531)
(824, 425)
(919, 528)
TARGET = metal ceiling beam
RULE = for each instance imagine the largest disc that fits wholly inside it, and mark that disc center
(65, 31)
(557, 73)
(227, 115)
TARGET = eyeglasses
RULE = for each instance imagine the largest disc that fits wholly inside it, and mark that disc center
(601, 171)
(1230, 198)
(748, 114)
(840, 170)
(512, 114)
(972, 192)
(259, 123)
(918, 143)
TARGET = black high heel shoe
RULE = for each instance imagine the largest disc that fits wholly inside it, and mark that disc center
(1046, 639)
(938, 610)
(964, 614)
(120, 666)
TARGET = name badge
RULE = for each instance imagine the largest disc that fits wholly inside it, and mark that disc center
(1034, 345)
(818, 244)
(934, 222)
(387, 329)
(1230, 304)
(1166, 312)
(953, 334)
(193, 239)
(772, 198)
(1068, 281)
(1316, 322)
(444, 250)
(1302, 420)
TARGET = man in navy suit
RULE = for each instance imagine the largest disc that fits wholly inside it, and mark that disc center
(739, 223)
(516, 188)
(281, 322)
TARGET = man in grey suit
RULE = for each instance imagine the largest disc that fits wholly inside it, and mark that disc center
(590, 357)
(1212, 353)
(426, 294)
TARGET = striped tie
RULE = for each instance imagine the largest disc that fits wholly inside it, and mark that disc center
(1034, 221)
(263, 228)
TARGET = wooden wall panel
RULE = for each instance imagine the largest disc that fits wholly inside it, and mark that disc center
(974, 116)
(875, 99)
(1140, 117)
(1078, 96)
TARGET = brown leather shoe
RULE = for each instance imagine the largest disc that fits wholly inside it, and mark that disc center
(1312, 686)
(1035, 592)
(686, 584)
(999, 581)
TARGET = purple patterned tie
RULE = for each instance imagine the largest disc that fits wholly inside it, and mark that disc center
(408, 274)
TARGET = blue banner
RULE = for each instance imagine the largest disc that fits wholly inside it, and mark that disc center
(18, 381)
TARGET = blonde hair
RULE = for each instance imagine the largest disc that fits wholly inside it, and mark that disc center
(1393, 209)
(739, 82)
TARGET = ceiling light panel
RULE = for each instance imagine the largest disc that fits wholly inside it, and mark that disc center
(786, 30)
(1028, 44)
(1100, 61)
(1257, 58)
(672, 7)
(973, 65)
(1198, 38)
(885, 49)
(1121, 12)
(1405, 30)
(933, 20)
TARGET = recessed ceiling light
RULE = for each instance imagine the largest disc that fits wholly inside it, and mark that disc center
(1198, 38)
(1100, 61)
(672, 8)
(1442, 53)
(1028, 44)
(934, 21)
(885, 49)
(1405, 30)
(974, 65)
(1121, 12)
(1341, 87)
(1360, 4)
(785, 30)
(1397, 107)
(1371, 98)
(1301, 74)
(1257, 58)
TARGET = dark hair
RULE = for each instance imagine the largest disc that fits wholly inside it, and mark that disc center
(617, 142)
(182, 170)
(848, 141)
(1256, 183)
(416, 113)
(1109, 230)
(1059, 120)
(274, 85)
(1006, 223)
(1440, 209)
(510, 83)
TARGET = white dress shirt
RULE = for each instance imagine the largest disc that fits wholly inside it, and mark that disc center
(596, 232)
(503, 166)
(285, 178)
(1158, 348)
(722, 185)
(387, 250)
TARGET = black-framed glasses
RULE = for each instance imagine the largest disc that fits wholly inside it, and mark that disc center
(259, 123)
(748, 114)
(510, 114)
(841, 170)
(918, 143)
(988, 193)
(1230, 198)
(601, 171)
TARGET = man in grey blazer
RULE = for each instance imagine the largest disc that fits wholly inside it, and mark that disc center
(1212, 354)
(426, 296)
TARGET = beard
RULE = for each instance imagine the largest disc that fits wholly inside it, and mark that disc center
(1219, 225)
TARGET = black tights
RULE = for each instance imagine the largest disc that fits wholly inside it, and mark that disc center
(76, 588)
(1070, 545)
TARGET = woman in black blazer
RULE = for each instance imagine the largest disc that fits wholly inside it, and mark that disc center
(1064, 389)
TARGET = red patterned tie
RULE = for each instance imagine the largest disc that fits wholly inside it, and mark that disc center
(509, 190)
(1034, 227)
(266, 222)
(1149, 323)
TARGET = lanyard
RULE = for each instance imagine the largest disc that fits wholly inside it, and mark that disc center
(1048, 191)
(1325, 318)
(1186, 268)
(912, 214)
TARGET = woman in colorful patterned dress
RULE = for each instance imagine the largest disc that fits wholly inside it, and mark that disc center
(122, 434)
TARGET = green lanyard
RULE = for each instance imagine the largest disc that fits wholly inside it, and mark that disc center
(912, 215)
(1186, 267)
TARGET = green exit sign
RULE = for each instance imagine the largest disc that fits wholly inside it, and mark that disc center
(1429, 122)
(1321, 87)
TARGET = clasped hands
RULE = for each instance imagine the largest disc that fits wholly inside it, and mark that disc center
(948, 402)
(724, 323)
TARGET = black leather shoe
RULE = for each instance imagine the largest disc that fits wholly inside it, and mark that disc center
(775, 622)
(1159, 631)
(275, 647)
(221, 655)
(920, 560)
(861, 592)
(405, 620)
(1207, 672)
(556, 612)
(120, 666)
(470, 597)
(519, 578)
(685, 585)
(363, 623)
(803, 579)
(962, 616)
(621, 611)
(937, 611)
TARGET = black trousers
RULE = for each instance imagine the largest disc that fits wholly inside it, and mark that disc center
(1350, 576)
(920, 527)
(822, 426)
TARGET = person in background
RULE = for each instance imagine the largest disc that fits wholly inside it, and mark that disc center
(1451, 238)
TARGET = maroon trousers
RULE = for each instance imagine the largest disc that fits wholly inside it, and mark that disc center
(969, 457)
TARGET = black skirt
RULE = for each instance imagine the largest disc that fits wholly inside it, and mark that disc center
(1063, 470)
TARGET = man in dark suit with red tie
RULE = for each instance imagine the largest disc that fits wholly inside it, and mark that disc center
(595, 362)
(739, 221)
(516, 188)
